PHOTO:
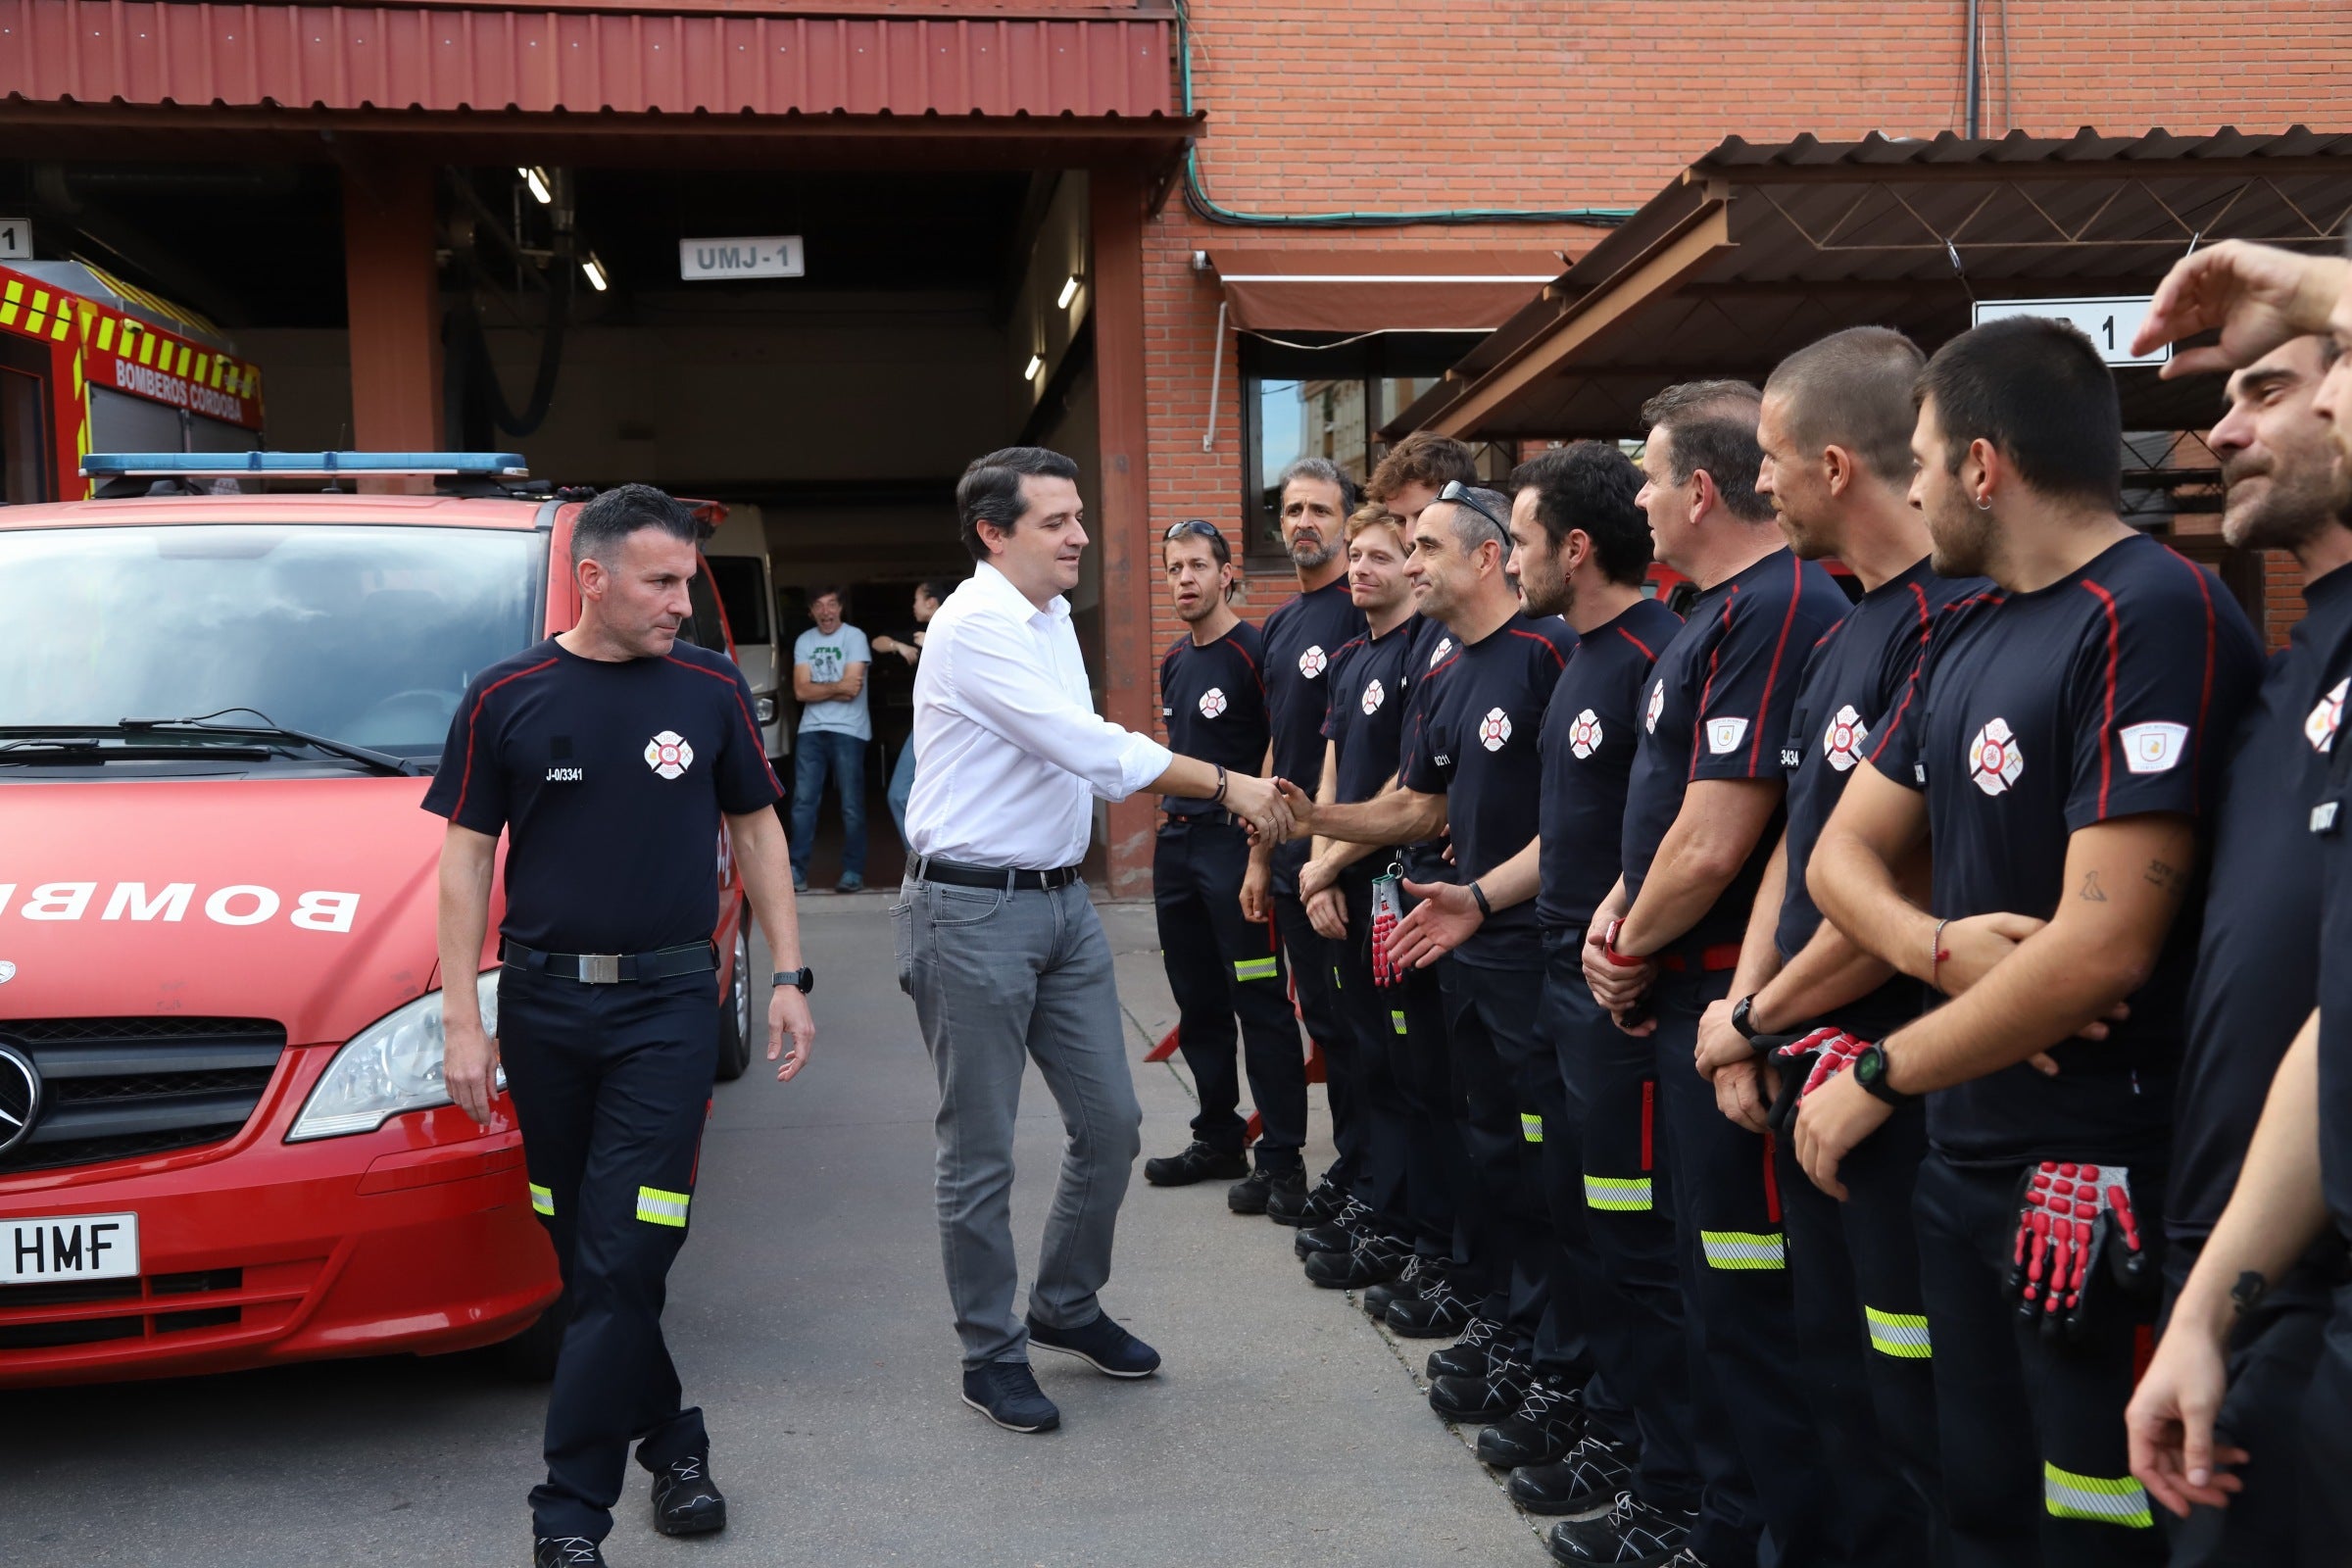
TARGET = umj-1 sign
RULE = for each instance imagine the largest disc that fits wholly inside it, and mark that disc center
(2110, 323)
(745, 256)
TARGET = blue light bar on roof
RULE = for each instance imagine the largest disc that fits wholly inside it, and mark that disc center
(297, 464)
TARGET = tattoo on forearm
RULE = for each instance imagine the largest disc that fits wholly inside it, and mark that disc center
(2091, 891)
(2171, 878)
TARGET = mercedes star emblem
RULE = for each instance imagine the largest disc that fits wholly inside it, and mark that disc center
(20, 1095)
(7, 972)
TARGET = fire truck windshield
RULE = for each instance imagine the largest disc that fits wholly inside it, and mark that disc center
(366, 635)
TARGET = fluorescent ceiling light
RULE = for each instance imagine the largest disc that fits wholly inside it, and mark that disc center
(1037, 362)
(536, 178)
(595, 274)
(1069, 291)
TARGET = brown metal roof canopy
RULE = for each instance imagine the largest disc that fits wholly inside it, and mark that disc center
(1756, 251)
(1286, 290)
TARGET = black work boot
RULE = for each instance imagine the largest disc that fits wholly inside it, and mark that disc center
(1264, 1188)
(565, 1551)
(1338, 1234)
(1585, 1483)
(1550, 1421)
(1479, 1401)
(1436, 1313)
(1371, 1260)
(1471, 1355)
(1200, 1162)
(686, 1500)
(1408, 1280)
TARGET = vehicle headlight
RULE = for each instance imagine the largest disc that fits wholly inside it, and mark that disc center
(765, 706)
(391, 1067)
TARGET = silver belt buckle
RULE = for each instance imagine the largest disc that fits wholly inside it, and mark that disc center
(600, 968)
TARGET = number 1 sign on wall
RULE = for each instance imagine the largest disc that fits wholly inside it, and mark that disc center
(2110, 323)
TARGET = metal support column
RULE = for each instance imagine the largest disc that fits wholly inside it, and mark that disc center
(395, 306)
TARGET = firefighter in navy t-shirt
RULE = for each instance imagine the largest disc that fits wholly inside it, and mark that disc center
(610, 755)
(1400, 1151)
(2066, 742)
(1220, 966)
(1702, 814)
(1581, 550)
(1836, 430)
(2296, 1180)
(2258, 960)
(1471, 762)
(1301, 636)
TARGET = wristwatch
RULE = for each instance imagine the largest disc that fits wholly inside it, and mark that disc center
(1742, 1024)
(802, 980)
(1870, 1072)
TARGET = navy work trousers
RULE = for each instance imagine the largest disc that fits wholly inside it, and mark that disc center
(2034, 1465)
(1398, 1073)
(612, 1088)
(1222, 968)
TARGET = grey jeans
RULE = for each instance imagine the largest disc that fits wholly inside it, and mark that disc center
(997, 978)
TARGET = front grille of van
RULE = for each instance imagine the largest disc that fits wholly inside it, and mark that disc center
(122, 1088)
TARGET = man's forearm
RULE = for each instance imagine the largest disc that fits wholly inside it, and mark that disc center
(1398, 817)
(462, 922)
(762, 859)
(1702, 853)
(2055, 982)
(1858, 893)
(1516, 880)
(2277, 1209)
(1759, 951)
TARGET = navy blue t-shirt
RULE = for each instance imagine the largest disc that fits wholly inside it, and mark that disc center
(1858, 677)
(1301, 639)
(1480, 744)
(2331, 825)
(1372, 683)
(609, 779)
(1717, 706)
(2111, 692)
(1588, 751)
(1214, 705)
(1431, 646)
(2258, 959)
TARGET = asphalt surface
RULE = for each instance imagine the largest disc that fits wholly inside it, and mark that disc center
(809, 1318)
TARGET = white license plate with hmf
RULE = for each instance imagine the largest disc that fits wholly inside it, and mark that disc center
(69, 1246)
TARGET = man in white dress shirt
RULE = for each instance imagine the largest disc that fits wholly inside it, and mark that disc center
(997, 943)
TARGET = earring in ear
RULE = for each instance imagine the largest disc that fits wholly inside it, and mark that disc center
(1984, 503)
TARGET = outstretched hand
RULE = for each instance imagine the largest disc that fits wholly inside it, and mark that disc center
(1446, 917)
(2257, 295)
(788, 1015)
(1299, 807)
(1261, 802)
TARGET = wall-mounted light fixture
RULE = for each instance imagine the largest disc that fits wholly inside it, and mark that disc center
(536, 179)
(1069, 292)
(1037, 362)
(594, 271)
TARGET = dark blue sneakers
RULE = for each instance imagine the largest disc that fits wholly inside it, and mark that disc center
(1101, 1345)
(1007, 1392)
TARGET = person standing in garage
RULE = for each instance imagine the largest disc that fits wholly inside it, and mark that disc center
(828, 679)
(609, 755)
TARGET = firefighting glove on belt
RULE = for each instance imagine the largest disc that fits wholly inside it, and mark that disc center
(1805, 1062)
(2070, 1217)
(1387, 908)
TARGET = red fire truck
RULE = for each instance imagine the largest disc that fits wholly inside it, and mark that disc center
(89, 362)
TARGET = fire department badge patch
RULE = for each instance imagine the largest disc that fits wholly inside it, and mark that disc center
(2152, 748)
(1212, 702)
(1495, 729)
(1584, 734)
(1374, 696)
(668, 755)
(1445, 647)
(1312, 662)
(2320, 728)
(1657, 705)
(1994, 758)
(1843, 742)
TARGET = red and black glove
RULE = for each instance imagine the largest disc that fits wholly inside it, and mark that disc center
(2070, 1217)
(1805, 1062)
(1387, 907)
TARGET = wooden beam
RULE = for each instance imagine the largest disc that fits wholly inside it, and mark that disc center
(394, 294)
(1115, 216)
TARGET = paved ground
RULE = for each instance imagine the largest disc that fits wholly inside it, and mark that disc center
(809, 1318)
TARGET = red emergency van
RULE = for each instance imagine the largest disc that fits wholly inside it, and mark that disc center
(224, 1137)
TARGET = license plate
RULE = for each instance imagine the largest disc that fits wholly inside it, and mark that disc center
(71, 1247)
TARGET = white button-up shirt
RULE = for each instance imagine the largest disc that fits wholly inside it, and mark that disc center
(1007, 745)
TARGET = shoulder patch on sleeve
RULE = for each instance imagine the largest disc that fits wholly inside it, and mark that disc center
(2154, 746)
(1725, 734)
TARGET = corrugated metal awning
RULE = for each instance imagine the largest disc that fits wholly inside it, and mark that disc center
(1382, 290)
(423, 58)
(1756, 251)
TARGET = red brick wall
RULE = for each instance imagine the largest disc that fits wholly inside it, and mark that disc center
(1382, 104)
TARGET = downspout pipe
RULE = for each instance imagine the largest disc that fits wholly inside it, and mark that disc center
(1974, 73)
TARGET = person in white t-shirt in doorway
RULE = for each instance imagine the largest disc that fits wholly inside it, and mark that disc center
(828, 679)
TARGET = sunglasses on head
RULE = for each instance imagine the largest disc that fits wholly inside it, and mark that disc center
(1200, 526)
(1459, 495)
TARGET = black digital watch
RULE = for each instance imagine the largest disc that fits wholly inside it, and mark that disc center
(802, 979)
(1870, 1072)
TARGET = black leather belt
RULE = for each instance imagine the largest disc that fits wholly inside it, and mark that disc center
(957, 874)
(1215, 818)
(611, 968)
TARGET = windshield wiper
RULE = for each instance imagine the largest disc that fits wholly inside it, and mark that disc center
(86, 740)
